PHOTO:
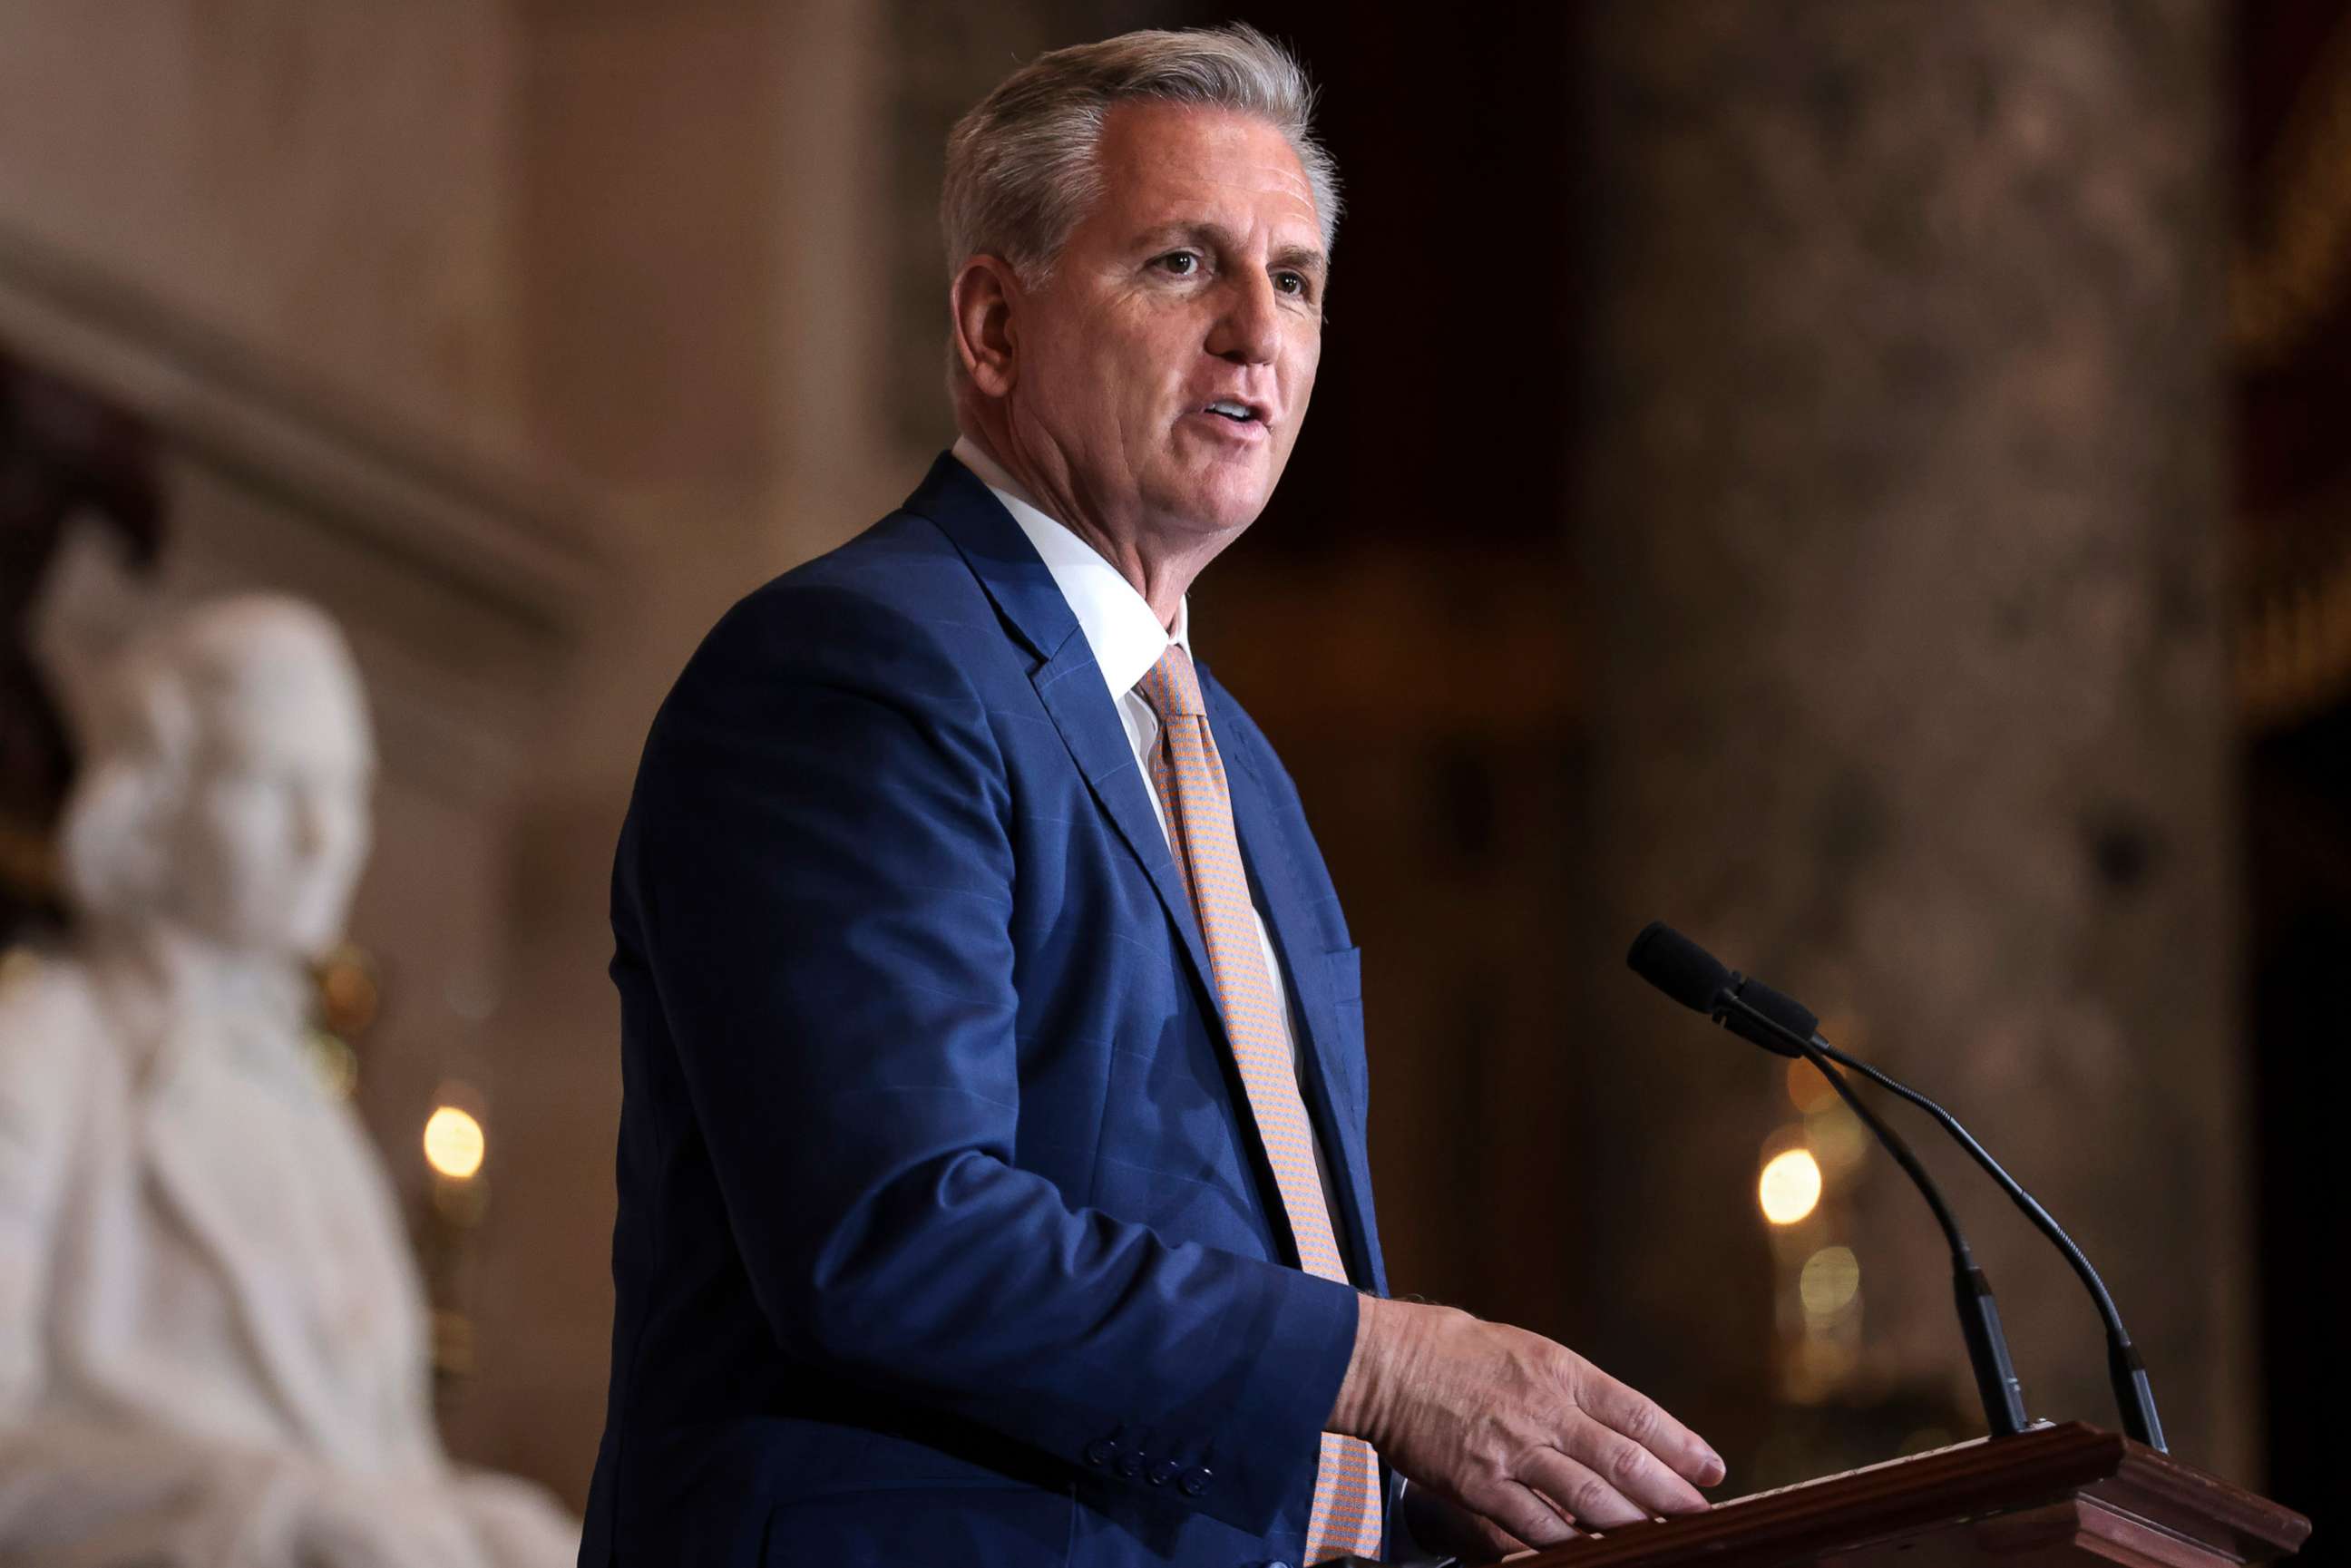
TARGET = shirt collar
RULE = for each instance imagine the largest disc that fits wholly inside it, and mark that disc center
(1125, 636)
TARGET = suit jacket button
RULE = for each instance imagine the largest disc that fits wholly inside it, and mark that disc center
(1163, 1471)
(1101, 1451)
(1195, 1481)
(1130, 1464)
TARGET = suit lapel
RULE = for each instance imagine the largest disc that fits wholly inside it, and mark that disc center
(1072, 689)
(1068, 681)
(1070, 685)
(1289, 922)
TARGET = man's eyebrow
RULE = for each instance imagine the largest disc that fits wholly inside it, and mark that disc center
(1189, 233)
(1215, 237)
(1302, 258)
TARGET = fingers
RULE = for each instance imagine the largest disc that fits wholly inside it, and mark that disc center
(1527, 1517)
(1526, 1433)
(1576, 1487)
(1630, 1471)
(1645, 1422)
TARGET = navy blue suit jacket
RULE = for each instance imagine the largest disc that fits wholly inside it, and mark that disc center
(943, 1236)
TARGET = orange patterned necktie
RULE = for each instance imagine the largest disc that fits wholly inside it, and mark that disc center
(1190, 780)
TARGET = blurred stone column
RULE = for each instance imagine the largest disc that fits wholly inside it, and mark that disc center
(1902, 509)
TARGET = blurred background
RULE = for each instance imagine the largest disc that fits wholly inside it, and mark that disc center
(1865, 482)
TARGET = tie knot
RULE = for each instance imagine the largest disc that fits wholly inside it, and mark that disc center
(1170, 686)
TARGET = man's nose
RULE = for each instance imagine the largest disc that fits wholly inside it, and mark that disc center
(1247, 331)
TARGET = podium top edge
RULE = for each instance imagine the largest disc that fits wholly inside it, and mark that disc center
(2041, 1466)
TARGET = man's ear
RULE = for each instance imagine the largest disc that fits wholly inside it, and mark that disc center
(983, 299)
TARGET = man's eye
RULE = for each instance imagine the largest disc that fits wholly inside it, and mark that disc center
(1291, 283)
(1181, 263)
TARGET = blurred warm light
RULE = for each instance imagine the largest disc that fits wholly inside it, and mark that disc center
(1807, 1090)
(1846, 1028)
(1836, 1139)
(460, 1204)
(336, 1064)
(453, 1144)
(347, 988)
(453, 1343)
(1830, 1280)
(1790, 1188)
(1821, 1362)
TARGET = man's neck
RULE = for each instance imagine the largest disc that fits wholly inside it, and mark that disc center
(1162, 579)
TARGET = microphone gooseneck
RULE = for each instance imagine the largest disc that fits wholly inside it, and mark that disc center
(1693, 977)
(1996, 1381)
(1756, 1012)
(2125, 1370)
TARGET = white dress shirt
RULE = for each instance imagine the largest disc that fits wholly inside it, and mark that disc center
(1127, 640)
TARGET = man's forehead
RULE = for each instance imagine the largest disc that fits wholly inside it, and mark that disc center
(1170, 162)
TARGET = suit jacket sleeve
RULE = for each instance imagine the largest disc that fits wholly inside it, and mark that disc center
(819, 865)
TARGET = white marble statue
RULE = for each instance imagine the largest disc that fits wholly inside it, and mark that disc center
(212, 1333)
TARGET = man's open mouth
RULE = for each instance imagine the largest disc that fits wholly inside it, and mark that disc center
(1238, 413)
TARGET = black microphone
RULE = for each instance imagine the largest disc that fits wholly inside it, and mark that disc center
(1787, 1022)
(1696, 978)
(2134, 1396)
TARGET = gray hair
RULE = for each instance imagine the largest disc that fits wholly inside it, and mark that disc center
(1021, 170)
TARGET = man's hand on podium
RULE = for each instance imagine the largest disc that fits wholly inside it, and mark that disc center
(1526, 1435)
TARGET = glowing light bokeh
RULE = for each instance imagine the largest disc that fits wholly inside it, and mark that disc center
(1829, 1282)
(1836, 1139)
(1790, 1186)
(453, 1144)
(1807, 1090)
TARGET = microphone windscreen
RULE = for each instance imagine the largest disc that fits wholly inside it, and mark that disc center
(1784, 1011)
(1679, 967)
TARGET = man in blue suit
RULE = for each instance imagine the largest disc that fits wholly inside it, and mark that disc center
(993, 1187)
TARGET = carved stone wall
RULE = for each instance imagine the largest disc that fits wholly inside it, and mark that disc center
(524, 337)
(1904, 502)
(321, 183)
(704, 299)
(944, 56)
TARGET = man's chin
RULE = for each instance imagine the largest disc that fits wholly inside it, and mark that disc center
(1220, 498)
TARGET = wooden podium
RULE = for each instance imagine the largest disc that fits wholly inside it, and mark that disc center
(2051, 1495)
